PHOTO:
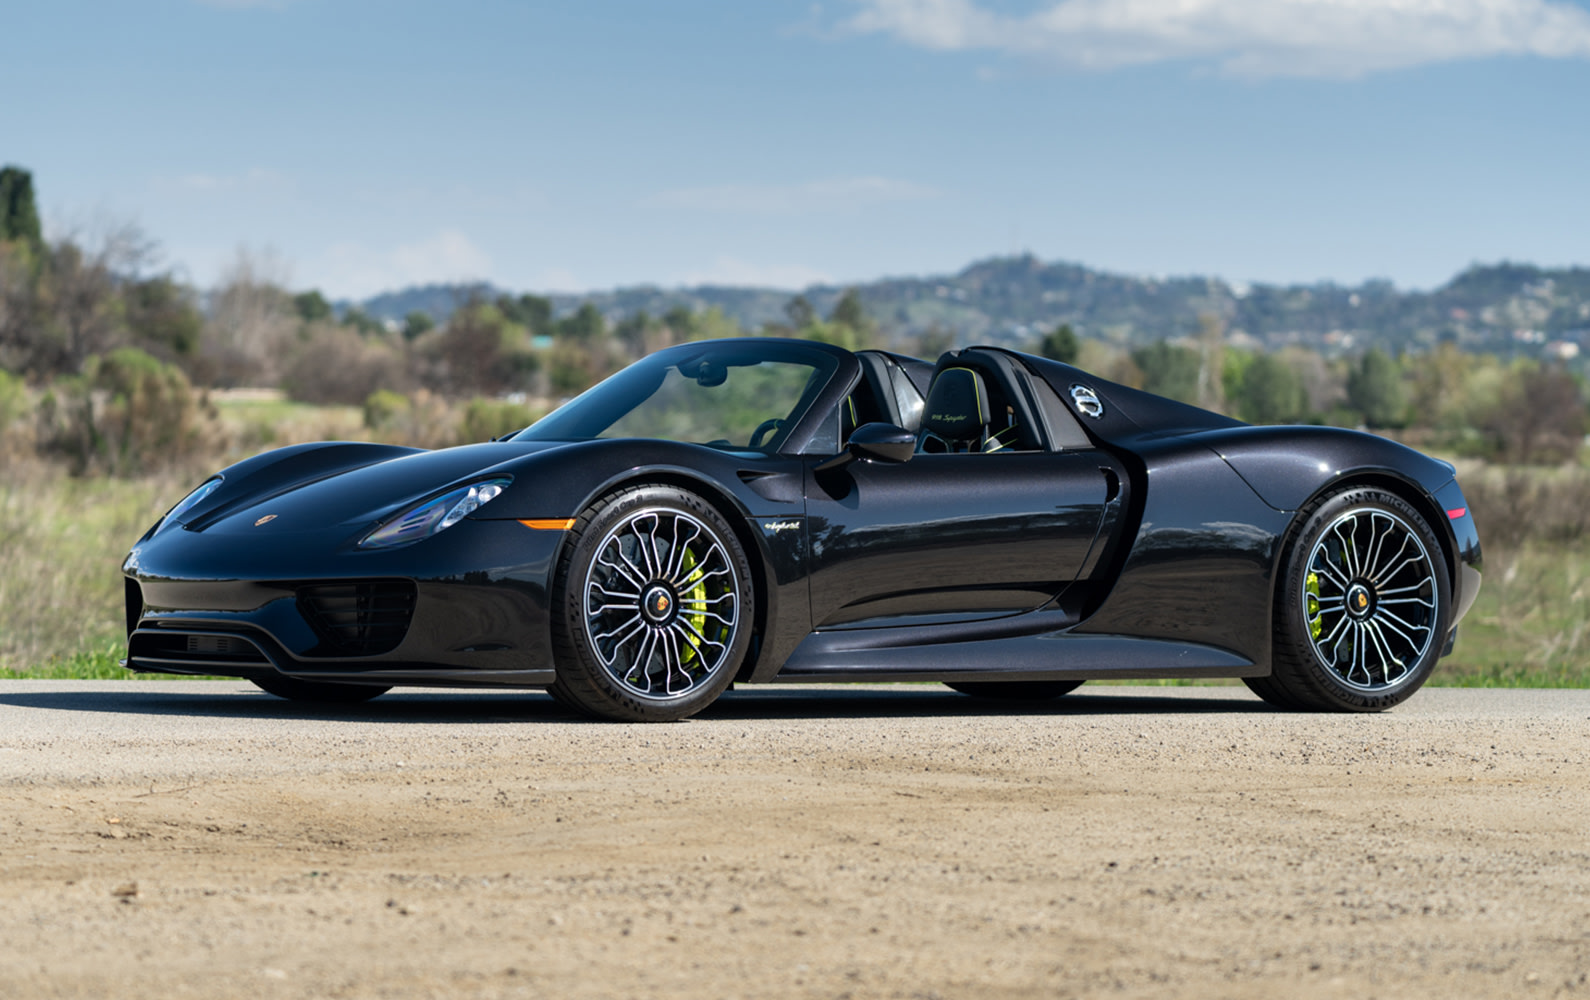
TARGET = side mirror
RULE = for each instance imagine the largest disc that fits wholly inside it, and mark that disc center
(875, 443)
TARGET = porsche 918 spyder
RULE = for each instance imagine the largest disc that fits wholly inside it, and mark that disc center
(766, 510)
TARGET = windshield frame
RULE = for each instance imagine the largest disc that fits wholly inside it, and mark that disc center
(613, 398)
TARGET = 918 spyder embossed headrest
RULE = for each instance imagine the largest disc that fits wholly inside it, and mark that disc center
(957, 405)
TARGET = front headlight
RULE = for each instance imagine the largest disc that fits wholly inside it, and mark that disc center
(437, 514)
(187, 503)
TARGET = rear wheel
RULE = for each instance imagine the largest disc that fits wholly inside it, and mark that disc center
(1014, 690)
(653, 608)
(324, 692)
(1362, 611)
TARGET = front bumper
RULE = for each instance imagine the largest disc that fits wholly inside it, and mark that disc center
(466, 608)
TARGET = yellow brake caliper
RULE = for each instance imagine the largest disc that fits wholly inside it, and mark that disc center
(1311, 605)
(698, 594)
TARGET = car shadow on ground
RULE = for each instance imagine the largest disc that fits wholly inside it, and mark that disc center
(418, 706)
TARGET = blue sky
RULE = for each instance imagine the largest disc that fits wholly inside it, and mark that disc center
(364, 145)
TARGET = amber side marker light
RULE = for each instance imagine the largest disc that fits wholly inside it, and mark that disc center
(548, 523)
(1456, 512)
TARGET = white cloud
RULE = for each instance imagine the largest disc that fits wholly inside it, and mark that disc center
(254, 180)
(834, 194)
(1324, 38)
(558, 279)
(733, 271)
(354, 270)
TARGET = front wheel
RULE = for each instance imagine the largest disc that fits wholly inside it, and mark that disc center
(1362, 609)
(322, 692)
(653, 608)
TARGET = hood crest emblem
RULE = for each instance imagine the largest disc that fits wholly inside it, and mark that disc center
(267, 518)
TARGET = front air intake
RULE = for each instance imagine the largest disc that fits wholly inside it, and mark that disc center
(167, 646)
(366, 618)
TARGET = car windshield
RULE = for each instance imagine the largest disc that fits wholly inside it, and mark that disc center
(727, 396)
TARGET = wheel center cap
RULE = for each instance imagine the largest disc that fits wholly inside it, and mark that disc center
(657, 604)
(1360, 601)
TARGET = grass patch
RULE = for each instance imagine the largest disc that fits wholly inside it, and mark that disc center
(258, 420)
(1529, 626)
(62, 541)
(99, 665)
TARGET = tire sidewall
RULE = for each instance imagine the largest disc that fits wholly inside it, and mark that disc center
(1292, 638)
(593, 687)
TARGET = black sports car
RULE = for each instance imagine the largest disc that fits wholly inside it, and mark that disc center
(765, 510)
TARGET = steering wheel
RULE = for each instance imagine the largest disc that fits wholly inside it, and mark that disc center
(771, 424)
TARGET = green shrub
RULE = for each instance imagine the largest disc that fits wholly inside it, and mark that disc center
(424, 420)
(14, 437)
(485, 419)
(383, 409)
(127, 414)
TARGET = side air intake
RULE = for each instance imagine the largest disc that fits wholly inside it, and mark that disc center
(366, 618)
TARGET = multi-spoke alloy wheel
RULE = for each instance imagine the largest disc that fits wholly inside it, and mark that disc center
(656, 606)
(661, 603)
(1362, 610)
(1370, 599)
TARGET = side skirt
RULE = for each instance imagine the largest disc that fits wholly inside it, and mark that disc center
(831, 656)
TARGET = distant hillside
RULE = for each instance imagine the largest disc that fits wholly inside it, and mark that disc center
(1502, 307)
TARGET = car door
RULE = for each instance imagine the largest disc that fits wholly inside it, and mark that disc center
(944, 538)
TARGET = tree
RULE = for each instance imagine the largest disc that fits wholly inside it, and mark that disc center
(848, 325)
(79, 293)
(681, 320)
(1272, 393)
(1440, 379)
(1540, 418)
(312, 306)
(631, 331)
(533, 312)
(481, 352)
(252, 321)
(1060, 344)
(585, 325)
(416, 324)
(19, 211)
(338, 365)
(934, 341)
(162, 316)
(362, 321)
(849, 311)
(800, 312)
(1374, 388)
(1169, 370)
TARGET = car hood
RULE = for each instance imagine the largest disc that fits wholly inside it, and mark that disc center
(363, 495)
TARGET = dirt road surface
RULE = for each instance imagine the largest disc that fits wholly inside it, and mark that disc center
(165, 840)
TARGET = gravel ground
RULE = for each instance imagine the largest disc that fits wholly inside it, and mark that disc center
(166, 839)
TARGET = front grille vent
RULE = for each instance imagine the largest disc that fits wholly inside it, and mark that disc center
(219, 645)
(158, 646)
(367, 618)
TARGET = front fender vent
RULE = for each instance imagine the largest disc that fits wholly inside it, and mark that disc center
(363, 618)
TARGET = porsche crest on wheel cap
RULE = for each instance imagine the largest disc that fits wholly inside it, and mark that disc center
(657, 603)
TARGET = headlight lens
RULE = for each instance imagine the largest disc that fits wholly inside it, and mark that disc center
(189, 502)
(439, 513)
